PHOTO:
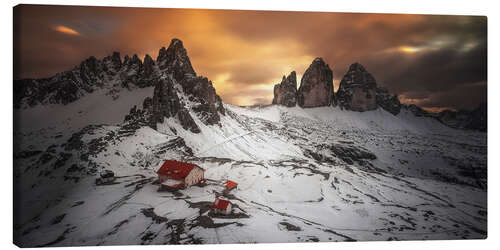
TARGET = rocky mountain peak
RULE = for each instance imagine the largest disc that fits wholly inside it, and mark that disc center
(175, 60)
(357, 67)
(285, 93)
(357, 74)
(292, 77)
(357, 89)
(178, 92)
(148, 65)
(113, 62)
(316, 86)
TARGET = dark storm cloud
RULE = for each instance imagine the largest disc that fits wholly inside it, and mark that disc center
(435, 61)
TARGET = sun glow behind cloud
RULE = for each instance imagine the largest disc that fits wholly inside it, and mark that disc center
(66, 30)
(410, 50)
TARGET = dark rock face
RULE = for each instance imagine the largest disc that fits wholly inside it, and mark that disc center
(113, 63)
(208, 104)
(476, 119)
(285, 93)
(388, 102)
(175, 60)
(168, 101)
(164, 104)
(417, 111)
(148, 65)
(357, 90)
(316, 86)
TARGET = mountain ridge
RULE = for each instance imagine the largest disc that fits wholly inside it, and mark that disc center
(358, 90)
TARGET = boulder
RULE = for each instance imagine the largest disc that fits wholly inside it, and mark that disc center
(316, 86)
(285, 93)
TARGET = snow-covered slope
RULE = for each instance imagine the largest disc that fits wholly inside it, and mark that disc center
(319, 174)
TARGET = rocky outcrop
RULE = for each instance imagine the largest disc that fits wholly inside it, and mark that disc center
(180, 93)
(476, 119)
(92, 74)
(113, 63)
(175, 60)
(149, 65)
(166, 104)
(285, 93)
(316, 86)
(416, 110)
(357, 90)
(205, 102)
(388, 102)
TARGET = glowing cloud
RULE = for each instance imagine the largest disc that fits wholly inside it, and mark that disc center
(409, 50)
(66, 30)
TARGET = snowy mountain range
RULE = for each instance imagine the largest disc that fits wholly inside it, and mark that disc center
(314, 166)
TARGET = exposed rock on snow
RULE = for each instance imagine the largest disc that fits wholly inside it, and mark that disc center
(206, 103)
(373, 175)
(316, 86)
(285, 93)
(166, 103)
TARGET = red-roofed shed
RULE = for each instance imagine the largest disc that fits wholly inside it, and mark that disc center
(230, 185)
(188, 174)
(222, 206)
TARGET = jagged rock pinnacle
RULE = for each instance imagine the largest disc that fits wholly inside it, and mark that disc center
(316, 86)
(285, 93)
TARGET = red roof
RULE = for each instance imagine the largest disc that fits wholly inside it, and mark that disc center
(230, 184)
(220, 203)
(175, 169)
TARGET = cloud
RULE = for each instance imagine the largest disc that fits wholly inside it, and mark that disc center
(66, 30)
(245, 53)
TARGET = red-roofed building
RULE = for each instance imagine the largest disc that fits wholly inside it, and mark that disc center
(230, 185)
(222, 206)
(176, 174)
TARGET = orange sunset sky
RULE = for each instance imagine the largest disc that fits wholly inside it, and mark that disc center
(433, 61)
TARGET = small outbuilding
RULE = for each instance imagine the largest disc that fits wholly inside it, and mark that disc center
(177, 175)
(222, 206)
(230, 185)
